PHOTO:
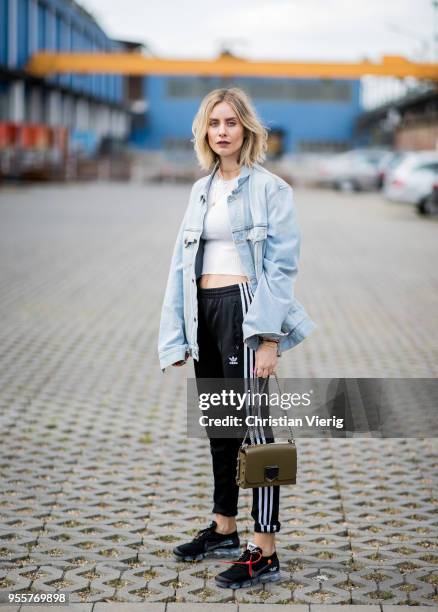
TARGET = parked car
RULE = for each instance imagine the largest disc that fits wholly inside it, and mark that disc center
(388, 163)
(430, 205)
(412, 179)
(354, 170)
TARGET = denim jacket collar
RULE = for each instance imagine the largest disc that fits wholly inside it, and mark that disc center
(245, 171)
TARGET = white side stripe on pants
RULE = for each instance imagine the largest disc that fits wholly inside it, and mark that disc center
(265, 494)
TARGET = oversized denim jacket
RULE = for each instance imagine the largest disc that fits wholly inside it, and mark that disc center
(267, 238)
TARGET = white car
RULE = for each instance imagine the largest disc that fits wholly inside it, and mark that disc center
(388, 163)
(430, 204)
(354, 170)
(412, 180)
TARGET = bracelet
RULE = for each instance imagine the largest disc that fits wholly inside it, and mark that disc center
(264, 340)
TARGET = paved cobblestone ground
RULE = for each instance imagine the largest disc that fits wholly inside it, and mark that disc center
(92, 431)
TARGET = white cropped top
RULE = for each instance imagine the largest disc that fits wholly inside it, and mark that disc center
(220, 254)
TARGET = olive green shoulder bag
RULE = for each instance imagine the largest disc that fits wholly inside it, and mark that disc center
(262, 465)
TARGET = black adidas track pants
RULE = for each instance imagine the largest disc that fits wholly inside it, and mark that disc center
(222, 354)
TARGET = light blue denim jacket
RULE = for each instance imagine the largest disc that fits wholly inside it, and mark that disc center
(267, 238)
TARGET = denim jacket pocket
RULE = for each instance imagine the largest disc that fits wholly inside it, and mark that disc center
(190, 242)
(257, 235)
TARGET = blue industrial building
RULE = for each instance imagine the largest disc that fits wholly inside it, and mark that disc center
(90, 105)
(152, 112)
(303, 114)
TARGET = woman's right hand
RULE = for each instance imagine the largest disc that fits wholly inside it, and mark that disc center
(181, 362)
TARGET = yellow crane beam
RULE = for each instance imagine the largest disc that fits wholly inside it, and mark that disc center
(46, 63)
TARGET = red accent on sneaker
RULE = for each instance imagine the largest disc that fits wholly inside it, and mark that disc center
(249, 563)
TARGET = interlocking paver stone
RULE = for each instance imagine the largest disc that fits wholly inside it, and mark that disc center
(129, 607)
(278, 608)
(197, 607)
(391, 608)
(72, 607)
(328, 608)
(98, 481)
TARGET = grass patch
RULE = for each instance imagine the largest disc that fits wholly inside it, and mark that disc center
(385, 595)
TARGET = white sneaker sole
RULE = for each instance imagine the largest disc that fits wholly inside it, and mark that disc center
(271, 577)
(209, 554)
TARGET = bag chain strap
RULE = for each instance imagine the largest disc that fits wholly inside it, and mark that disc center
(291, 439)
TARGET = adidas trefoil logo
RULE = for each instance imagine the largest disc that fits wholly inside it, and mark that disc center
(232, 359)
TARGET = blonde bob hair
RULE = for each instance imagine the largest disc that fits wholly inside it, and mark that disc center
(255, 134)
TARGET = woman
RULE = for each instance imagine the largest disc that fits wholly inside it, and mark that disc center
(229, 304)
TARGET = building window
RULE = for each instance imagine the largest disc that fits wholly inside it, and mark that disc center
(178, 144)
(279, 90)
(323, 146)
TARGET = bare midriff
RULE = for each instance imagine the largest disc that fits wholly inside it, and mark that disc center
(209, 281)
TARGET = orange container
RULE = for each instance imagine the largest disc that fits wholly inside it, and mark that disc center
(27, 136)
(3, 135)
(42, 137)
(13, 131)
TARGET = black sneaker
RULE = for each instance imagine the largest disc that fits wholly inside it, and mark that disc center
(208, 543)
(251, 568)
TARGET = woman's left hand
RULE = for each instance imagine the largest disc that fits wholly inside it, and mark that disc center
(265, 360)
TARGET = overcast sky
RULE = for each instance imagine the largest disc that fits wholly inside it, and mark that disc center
(273, 29)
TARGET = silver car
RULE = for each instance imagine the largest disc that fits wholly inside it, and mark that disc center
(355, 170)
(412, 180)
